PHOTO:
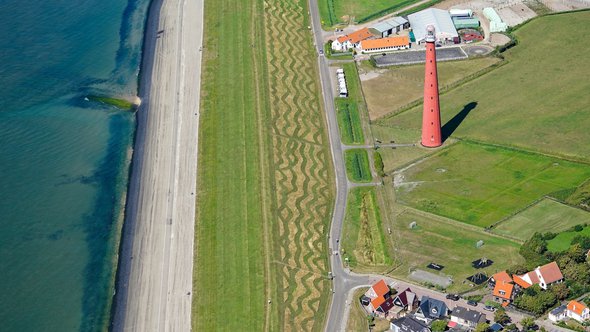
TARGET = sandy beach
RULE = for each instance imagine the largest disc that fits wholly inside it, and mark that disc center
(154, 280)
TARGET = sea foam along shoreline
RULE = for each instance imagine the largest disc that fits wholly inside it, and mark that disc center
(154, 278)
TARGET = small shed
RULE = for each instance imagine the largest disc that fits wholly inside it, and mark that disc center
(466, 23)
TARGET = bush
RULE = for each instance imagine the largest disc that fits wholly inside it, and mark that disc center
(379, 163)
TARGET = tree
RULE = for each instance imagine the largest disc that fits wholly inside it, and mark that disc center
(501, 317)
(438, 325)
(561, 291)
(527, 323)
(582, 240)
(482, 327)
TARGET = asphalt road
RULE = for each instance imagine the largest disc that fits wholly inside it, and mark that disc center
(154, 280)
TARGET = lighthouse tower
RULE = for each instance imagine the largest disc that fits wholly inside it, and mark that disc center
(431, 133)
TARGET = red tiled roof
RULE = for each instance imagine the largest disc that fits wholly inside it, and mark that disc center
(533, 276)
(502, 277)
(521, 282)
(356, 36)
(396, 41)
(380, 288)
(576, 307)
(377, 302)
(505, 288)
(550, 272)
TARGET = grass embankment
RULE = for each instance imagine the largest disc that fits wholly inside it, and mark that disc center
(447, 243)
(348, 110)
(335, 12)
(357, 165)
(481, 184)
(396, 87)
(536, 101)
(563, 240)
(264, 176)
(363, 239)
(545, 216)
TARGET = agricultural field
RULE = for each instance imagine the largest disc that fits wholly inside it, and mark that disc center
(388, 90)
(536, 101)
(265, 182)
(358, 168)
(363, 242)
(349, 110)
(446, 243)
(545, 216)
(563, 240)
(334, 12)
(481, 184)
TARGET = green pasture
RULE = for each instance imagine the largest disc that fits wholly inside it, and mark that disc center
(348, 110)
(448, 243)
(357, 165)
(481, 184)
(545, 216)
(563, 240)
(394, 159)
(334, 12)
(537, 101)
(362, 235)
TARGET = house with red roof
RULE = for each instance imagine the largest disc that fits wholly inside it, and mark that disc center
(544, 276)
(503, 288)
(578, 311)
(346, 42)
(378, 298)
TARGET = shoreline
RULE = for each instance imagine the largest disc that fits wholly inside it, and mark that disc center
(153, 284)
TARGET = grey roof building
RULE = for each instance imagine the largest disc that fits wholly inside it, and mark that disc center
(389, 26)
(440, 19)
(431, 309)
(467, 317)
(408, 324)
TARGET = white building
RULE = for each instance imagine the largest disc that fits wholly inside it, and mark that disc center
(440, 19)
(578, 311)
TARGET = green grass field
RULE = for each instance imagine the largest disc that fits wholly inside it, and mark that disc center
(393, 159)
(357, 165)
(363, 240)
(335, 12)
(563, 240)
(265, 182)
(396, 87)
(481, 184)
(448, 243)
(348, 110)
(545, 216)
(536, 101)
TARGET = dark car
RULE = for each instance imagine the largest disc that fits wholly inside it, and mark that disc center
(453, 297)
(489, 308)
(472, 303)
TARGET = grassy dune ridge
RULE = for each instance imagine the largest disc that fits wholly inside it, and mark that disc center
(265, 182)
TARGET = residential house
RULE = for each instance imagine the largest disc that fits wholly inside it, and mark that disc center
(578, 311)
(544, 276)
(558, 314)
(406, 300)
(380, 299)
(503, 288)
(466, 317)
(346, 42)
(408, 324)
(431, 309)
(384, 44)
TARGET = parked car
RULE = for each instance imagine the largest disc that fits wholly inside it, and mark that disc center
(453, 297)
(472, 303)
(489, 308)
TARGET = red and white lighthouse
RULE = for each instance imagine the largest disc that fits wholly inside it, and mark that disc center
(431, 132)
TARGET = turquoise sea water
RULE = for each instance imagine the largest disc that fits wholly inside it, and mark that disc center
(63, 159)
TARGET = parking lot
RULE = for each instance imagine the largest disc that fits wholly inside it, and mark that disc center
(411, 57)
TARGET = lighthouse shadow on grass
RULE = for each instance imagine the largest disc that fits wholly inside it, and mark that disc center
(449, 128)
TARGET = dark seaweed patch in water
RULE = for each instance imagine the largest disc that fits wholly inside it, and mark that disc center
(100, 225)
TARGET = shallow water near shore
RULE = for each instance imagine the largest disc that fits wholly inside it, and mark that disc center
(63, 159)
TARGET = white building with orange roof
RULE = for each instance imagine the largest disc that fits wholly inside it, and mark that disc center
(380, 299)
(384, 44)
(544, 276)
(346, 42)
(578, 311)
